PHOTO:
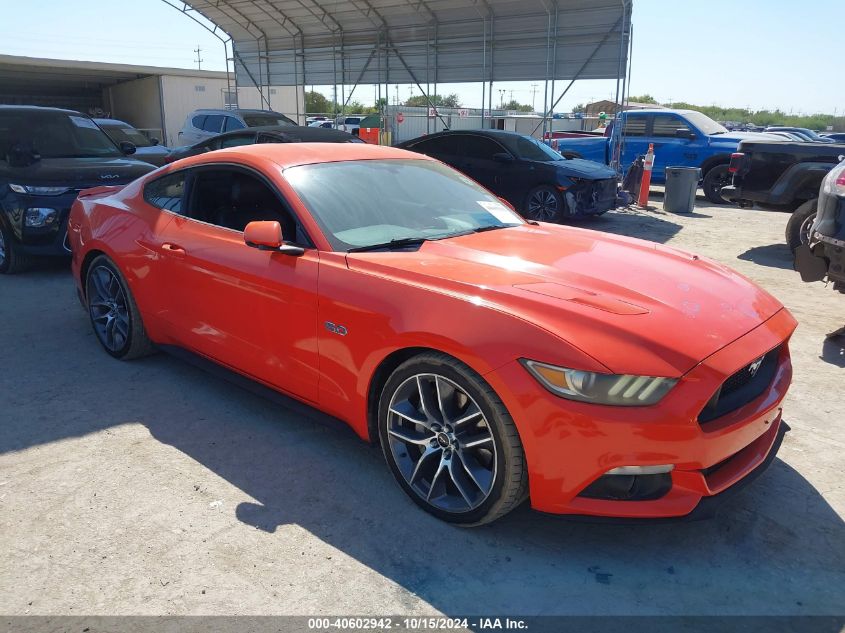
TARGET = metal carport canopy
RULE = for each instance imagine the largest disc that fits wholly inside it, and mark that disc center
(325, 42)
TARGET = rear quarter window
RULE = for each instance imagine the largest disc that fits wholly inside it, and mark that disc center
(166, 192)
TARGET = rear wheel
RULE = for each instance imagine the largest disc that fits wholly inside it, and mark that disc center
(450, 442)
(800, 224)
(114, 314)
(544, 204)
(714, 180)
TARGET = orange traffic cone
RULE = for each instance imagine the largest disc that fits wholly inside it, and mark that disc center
(645, 184)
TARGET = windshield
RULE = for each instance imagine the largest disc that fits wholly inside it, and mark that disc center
(366, 202)
(705, 123)
(529, 148)
(118, 132)
(54, 135)
(261, 120)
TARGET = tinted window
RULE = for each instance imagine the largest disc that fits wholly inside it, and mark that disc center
(213, 123)
(231, 199)
(666, 125)
(635, 125)
(233, 124)
(260, 120)
(479, 147)
(53, 135)
(442, 145)
(530, 148)
(361, 203)
(198, 121)
(237, 140)
(166, 193)
(120, 133)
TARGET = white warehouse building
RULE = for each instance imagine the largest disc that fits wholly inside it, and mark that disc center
(152, 99)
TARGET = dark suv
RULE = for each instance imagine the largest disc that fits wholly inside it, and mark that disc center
(47, 156)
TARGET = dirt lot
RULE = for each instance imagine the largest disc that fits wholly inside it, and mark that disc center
(152, 487)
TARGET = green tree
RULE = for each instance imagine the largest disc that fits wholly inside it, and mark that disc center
(580, 108)
(317, 103)
(646, 98)
(449, 101)
(515, 106)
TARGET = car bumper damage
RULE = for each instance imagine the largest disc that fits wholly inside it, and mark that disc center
(670, 460)
(590, 197)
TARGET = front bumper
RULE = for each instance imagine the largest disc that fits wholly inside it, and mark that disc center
(569, 445)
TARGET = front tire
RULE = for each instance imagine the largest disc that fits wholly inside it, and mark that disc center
(800, 223)
(114, 314)
(11, 259)
(544, 204)
(714, 180)
(449, 441)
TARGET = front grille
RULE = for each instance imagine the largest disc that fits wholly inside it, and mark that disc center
(742, 387)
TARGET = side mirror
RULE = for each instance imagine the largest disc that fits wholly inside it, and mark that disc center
(685, 134)
(502, 157)
(267, 236)
(154, 141)
(127, 148)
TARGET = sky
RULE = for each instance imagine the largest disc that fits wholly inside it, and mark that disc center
(761, 54)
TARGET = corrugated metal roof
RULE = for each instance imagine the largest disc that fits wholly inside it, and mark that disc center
(322, 42)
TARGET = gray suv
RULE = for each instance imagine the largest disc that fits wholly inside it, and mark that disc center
(203, 124)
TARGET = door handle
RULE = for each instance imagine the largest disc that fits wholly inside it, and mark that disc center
(173, 249)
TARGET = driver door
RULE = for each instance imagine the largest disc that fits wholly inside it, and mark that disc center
(254, 311)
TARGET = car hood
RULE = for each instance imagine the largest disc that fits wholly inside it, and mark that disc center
(634, 306)
(736, 137)
(580, 168)
(79, 172)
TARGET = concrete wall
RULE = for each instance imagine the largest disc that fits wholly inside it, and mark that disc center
(137, 102)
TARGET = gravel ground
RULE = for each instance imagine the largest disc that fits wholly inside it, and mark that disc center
(151, 487)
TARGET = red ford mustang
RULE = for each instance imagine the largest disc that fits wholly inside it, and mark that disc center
(493, 359)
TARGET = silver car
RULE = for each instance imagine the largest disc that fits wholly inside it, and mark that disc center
(203, 124)
(146, 149)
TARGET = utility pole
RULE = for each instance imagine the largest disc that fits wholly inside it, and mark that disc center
(533, 93)
(198, 60)
(502, 98)
(397, 95)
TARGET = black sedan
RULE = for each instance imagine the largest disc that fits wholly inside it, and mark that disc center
(268, 134)
(535, 179)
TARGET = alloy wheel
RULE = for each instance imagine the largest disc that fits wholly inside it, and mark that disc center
(543, 205)
(805, 232)
(441, 443)
(108, 308)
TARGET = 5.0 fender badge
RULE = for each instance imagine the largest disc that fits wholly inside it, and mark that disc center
(336, 329)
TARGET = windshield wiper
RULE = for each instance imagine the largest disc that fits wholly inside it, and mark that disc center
(397, 243)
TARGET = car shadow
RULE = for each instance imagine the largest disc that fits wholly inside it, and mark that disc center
(833, 348)
(655, 226)
(777, 547)
(771, 255)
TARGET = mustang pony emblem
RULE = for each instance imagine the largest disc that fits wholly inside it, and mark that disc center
(754, 367)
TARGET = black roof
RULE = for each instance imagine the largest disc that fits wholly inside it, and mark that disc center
(501, 135)
(291, 132)
(31, 108)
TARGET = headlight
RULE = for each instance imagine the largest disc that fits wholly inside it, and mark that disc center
(40, 216)
(622, 390)
(39, 191)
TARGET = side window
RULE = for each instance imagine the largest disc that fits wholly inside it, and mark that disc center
(232, 124)
(635, 125)
(440, 146)
(231, 198)
(666, 125)
(479, 147)
(237, 140)
(166, 193)
(198, 121)
(213, 123)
